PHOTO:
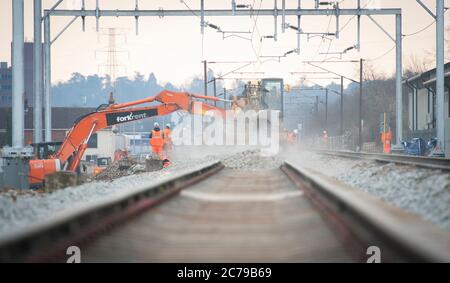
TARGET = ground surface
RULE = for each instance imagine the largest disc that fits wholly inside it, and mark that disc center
(424, 192)
(421, 191)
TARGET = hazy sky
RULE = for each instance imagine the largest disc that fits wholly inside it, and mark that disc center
(172, 47)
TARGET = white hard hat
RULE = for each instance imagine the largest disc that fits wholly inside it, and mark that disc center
(156, 124)
(168, 125)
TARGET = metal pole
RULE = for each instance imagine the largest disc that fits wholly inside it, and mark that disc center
(316, 105)
(426, 8)
(299, 27)
(97, 15)
(360, 104)
(225, 97)
(136, 7)
(398, 79)
(326, 109)
(337, 19)
(37, 72)
(283, 16)
(359, 27)
(205, 74)
(202, 16)
(215, 91)
(83, 18)
(275, 21)
(64, 29)
(47, 80)
(342, 107)
(316, 116)
(18, 86)
(440, 78)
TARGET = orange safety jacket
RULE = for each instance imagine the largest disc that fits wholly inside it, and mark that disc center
(386, 138)
(156, 139)
(166, 136)
(291, 137)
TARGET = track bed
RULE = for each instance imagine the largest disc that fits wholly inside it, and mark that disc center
(232, 216)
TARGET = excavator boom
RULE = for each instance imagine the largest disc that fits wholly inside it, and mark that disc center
(73, 147)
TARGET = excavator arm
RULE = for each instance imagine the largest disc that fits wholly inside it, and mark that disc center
(72, 150)
(73, 147)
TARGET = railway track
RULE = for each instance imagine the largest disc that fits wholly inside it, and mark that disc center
(419, 161)
(217, 214)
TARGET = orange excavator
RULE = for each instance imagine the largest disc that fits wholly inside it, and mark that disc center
(71, 151)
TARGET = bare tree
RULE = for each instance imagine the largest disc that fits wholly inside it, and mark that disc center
(417, 65)
(431, 53)
(370, 73)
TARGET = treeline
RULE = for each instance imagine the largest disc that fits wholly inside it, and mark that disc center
(93, 90)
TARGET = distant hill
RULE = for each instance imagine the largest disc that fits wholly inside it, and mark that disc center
(93, 90)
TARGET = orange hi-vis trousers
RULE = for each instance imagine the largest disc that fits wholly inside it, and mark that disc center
(157, 144)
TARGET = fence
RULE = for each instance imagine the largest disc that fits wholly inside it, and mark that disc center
(348, 141)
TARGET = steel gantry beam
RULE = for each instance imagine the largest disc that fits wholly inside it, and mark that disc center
(161, 13)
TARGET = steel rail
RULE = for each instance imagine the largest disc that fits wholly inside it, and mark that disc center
(48, 240)
(419, 161)
(401, 236)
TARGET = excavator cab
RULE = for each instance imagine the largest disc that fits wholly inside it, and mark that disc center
(265, 94)
(45, 150)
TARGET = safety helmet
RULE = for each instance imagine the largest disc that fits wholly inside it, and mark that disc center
(168, 126)
(156, 125)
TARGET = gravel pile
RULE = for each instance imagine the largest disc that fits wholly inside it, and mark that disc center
(14, 194)
(251, 160)
(424, 192)
(114, 171)
(421, 191)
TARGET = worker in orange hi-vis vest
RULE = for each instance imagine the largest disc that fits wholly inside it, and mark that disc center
(292, 137)
(386, 139)
(167, 141)
(157, 141)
